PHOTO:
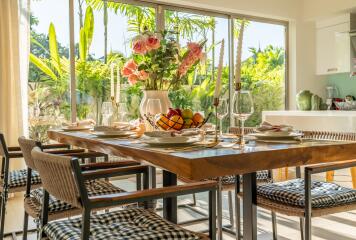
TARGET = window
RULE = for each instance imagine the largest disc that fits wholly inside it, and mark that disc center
(103, 32)
(49, 98)
(263, 65)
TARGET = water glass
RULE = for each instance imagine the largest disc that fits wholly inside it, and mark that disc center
(222, 111)
(106, 111)
(153, 107)
(242, 109)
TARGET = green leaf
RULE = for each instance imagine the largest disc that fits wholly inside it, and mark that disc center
(89, 26)
(42, 66)
(53, 48)
(83, 50)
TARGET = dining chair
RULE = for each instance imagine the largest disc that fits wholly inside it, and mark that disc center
(64, 179)
(15, 181)
(57, 208)
(305, 198)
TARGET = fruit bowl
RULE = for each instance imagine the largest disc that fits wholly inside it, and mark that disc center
(178, 119)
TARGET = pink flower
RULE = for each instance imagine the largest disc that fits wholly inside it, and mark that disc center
(126, 71)
(152, 42)
(133, 79)
(143, 75)
(139, 46)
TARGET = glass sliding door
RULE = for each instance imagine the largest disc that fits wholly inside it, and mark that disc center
(196, 90)
(48, 83)
(263, 65)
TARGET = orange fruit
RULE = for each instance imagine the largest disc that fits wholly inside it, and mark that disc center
(162, 121)
(176, 122)
(198, 119)
(188, 123)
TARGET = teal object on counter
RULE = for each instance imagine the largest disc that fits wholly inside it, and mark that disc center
(304, 100)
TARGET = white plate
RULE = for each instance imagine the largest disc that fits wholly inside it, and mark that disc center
(263, 136)
(70, 129)
(163, 141)
(112, 134)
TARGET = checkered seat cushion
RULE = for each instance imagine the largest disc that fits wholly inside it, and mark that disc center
(133, 224)
(94, 188)
(18, 178)
(324, 194)
(260, 175)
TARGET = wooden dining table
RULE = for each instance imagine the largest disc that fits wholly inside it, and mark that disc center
(205, 163)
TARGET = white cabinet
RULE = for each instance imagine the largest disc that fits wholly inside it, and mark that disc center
(333, 47)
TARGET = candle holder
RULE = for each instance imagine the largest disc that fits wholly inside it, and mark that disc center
(216, 104)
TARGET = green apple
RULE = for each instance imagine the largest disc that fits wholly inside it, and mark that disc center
(187, 113)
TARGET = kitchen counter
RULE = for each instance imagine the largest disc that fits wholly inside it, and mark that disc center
(340, 121)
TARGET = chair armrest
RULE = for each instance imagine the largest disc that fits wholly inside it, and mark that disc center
(114, 172)
(55, 145)
(65, 151)
(105, 165)
(13, 149)
(151, 194)
(85, 154)
(319, 168)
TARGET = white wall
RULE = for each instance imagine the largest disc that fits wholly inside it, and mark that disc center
(315, 9)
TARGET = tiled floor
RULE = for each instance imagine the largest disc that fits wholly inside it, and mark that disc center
(333, 227)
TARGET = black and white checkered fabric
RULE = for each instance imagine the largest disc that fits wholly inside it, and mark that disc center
(94, 188)
(134, 224)
(260, 176)
(18, 178)
(324, 194)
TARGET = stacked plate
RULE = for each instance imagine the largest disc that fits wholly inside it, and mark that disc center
(113, 134)
(277, 137)
(162, 138)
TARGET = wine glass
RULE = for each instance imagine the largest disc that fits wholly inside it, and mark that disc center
(153, 107)
(222, 112)
(242, 109)
(106, 111)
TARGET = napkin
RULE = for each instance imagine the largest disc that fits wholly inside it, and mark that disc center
(82, 123)
(268, 127)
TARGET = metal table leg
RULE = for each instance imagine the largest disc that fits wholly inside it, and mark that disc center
(249, 206)
(170, 204)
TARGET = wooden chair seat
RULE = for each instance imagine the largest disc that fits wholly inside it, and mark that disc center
(135, 224)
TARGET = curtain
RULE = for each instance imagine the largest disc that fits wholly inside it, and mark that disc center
(14, 51)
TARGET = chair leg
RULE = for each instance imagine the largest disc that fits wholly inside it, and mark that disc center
(274, 225)
(301, 222)
(25, 226)
(219, 213)
(3, 213)
(353, 175)
(212, 215)
(85, 224)
(231, 208)
(194, 200)
(238, 217)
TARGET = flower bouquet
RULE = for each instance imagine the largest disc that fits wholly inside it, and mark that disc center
(158, 62)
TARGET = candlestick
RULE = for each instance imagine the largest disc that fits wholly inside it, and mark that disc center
(118, 87)
(221, 62)
(216, 104)
(112, 90)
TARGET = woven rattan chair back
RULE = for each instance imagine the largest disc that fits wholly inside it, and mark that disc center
(57, 176)
(26, 146)
(237, 130)
(328, 135)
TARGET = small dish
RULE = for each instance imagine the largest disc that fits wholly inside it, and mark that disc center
(76, 128)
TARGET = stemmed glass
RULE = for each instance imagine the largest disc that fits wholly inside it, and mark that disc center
(222, 112)
(106, 111)
(153, 107)
(242, 109)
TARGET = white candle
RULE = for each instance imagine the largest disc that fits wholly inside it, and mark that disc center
(118, 87)
(239, 54)
(112, 87)
(220, 67)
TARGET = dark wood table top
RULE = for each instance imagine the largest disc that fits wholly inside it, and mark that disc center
(200, 164)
